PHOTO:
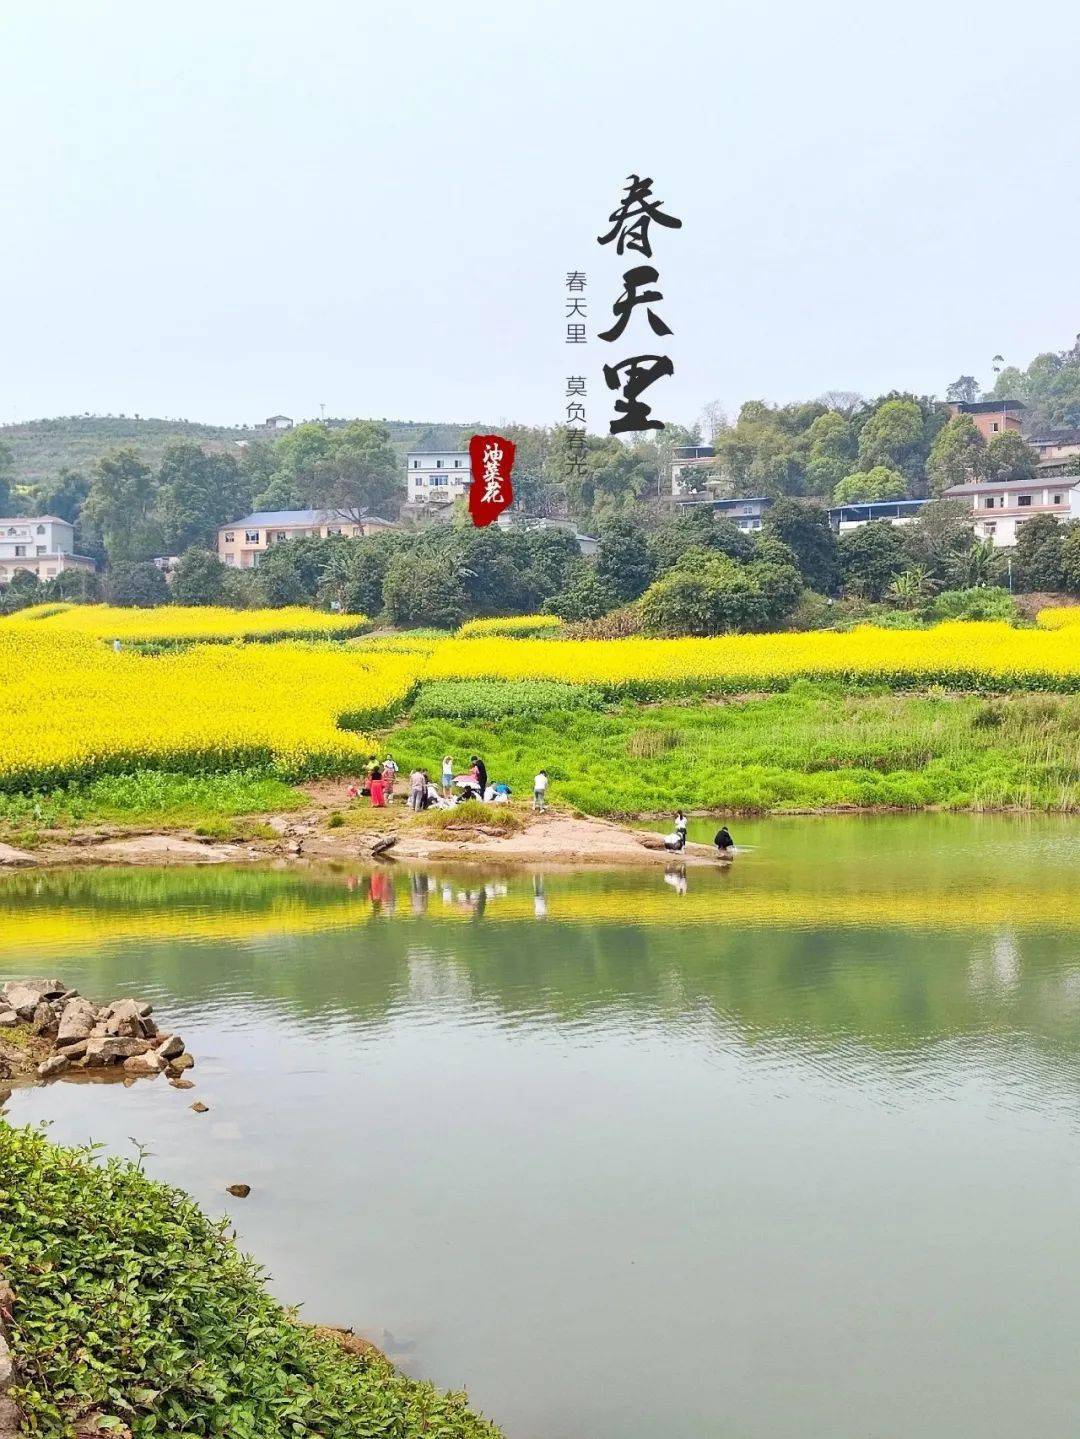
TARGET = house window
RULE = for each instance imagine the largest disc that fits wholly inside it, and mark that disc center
(1024, 501)
(988, 503)
(438, 464)
(995, 427)
(251, 537)
(20, 551)
(438, 479)
(416, 464)
(330, 532)
(41, 529)
(230, 538)
(457, 464)
(281, 536)
(990, 527)
(1057, 499)
(40, 549)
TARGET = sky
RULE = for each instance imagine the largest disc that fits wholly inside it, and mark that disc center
(221, 211)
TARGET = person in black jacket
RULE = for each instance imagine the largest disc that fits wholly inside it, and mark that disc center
(481, 774)
(723, 840)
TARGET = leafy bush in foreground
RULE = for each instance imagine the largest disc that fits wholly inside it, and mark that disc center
(130, 1303)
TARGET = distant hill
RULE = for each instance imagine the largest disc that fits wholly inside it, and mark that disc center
(40, 448)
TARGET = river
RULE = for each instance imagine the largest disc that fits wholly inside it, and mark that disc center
(779, 1150)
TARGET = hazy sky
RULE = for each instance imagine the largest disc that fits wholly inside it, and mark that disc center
(222, 210)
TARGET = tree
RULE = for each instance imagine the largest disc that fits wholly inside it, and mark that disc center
(958, 456)
(137, 584)
(6, 466)
(63, 496)
(806, 531)
(908, 588)
(199, 579)
(939, 539)
(963, 390)
(1070, 558)
(1010, 457)
(278, 581)
(585, 597)
(423, 590)
(197, 492)
(119, 504)
(871, 556)
(880, 483)
(708, 593)
(21, 591)
(1039, 554)
(1049, 387)
(894, 436)
(77, 586)
(832, 453)
(623, 567)
(354, 573)
(360, 474)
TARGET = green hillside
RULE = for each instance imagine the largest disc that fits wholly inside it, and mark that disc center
(40, 448)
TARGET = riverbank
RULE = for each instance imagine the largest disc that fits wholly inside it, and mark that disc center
(172, 1330)
(322, 832)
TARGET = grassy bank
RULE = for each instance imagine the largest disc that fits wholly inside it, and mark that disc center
(132, 1305)
(816, 746)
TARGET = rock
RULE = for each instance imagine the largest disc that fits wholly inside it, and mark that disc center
(69, 994)
(10, 1419)
(102, 1049)
(44, 1020)
(149, 1063)
(76, 1022)
(179, 1064)
(173, 1047)
(24, 995)
(5, 1068)
(238, 1191)
(182, 1083)
(101, 1426)
(76, 1050)
(200, 1108)
(8, 1019)
(147, 1028)
(55, 1064)
(145, 1010)
(7, 1367)
(123, 1019)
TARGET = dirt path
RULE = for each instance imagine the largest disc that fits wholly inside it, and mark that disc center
(336, 828)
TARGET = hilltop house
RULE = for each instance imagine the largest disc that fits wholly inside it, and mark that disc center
(242, 544)
(1000, 507)
(436, 477)
(43, 545)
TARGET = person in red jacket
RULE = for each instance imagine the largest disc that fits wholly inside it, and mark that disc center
(378, 789)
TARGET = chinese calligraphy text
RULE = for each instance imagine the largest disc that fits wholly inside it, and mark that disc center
(631, 222)
(491, 458)
(576, 281)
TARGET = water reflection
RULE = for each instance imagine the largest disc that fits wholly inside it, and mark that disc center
(796, 1126)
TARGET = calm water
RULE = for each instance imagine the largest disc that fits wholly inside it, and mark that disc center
(785, 1150)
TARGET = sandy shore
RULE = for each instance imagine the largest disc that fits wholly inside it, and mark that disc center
(554, 839)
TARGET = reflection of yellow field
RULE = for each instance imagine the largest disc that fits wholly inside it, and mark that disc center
(22, 930)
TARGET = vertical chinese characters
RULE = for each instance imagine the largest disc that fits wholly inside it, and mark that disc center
(576, 282)
(630, 223)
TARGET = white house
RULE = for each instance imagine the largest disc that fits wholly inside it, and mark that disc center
(1000, 507)
(242, 544)
(44, 545)
(852, 517)
(438, 477)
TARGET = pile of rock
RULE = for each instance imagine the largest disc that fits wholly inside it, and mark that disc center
(68, 1032)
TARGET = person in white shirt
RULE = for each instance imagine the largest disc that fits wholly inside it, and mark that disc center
(540, 784)
(389, 774)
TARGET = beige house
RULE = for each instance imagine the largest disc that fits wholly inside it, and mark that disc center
(1001, 507)
(242, 544)
(43, 545)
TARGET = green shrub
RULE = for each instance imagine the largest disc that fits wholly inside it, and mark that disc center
(130, 1303)
(978, 603)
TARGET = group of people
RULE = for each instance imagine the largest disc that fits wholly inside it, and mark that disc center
(677, 839)
(423, 793)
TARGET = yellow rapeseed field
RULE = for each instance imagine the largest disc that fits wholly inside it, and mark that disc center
(1058, 619)
(177, 623)
(71, 706)
(512, 627)
(964, 655)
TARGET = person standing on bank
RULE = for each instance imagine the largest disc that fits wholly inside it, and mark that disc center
(680, 826)
(447, 776)
(540, 785)
(480, 771)
(417, 789)
(389, 774)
